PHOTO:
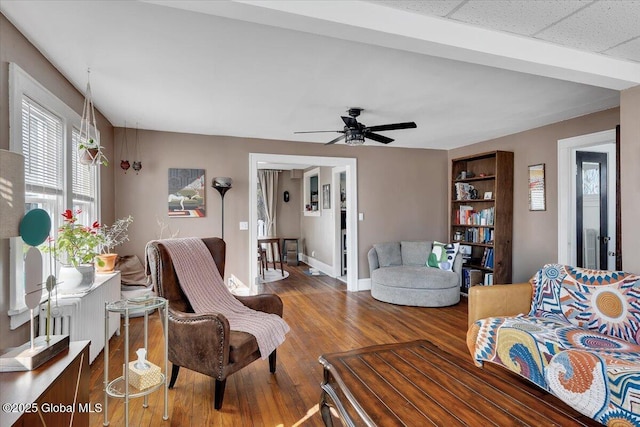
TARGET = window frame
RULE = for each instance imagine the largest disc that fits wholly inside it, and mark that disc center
(21, 85)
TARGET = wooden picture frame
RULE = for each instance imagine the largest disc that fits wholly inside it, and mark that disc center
(537, 194)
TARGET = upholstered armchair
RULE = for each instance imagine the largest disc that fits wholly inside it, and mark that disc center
(203, 342)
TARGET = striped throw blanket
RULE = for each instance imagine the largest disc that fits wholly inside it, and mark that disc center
(201, 282)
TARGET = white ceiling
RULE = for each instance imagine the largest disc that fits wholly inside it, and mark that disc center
(464, 71)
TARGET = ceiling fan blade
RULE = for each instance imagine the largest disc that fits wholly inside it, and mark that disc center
(393, 126)
(380, 138)
(350, 122)
(333, 141)
(319, 131)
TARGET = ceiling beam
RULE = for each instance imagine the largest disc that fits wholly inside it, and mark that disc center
(375, 24)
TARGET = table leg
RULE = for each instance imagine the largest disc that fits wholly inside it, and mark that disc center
(325, 410)
(280, 255)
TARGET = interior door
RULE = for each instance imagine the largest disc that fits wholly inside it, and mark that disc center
(592, 235)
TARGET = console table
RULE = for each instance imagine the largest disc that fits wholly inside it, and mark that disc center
(46, 395)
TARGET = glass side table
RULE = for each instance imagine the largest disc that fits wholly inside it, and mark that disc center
(120, 387)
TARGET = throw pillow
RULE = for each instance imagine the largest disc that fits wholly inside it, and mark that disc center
(388, 254)
(415, 253)
(443, 255)
(602, 301)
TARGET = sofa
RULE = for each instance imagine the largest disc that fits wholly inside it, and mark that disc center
(400, 274)
(573, 332)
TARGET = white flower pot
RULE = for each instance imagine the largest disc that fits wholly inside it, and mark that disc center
(73, 280)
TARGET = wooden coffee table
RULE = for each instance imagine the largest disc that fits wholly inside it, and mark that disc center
(418, 384)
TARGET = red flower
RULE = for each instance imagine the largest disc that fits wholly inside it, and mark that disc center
(96, 224)
(68, 215)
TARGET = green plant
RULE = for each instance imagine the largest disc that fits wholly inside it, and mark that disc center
(115, 234)
(98, 157)
(76, 244)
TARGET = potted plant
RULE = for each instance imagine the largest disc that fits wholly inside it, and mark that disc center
(90, 153)
(113, 236)
(76, 248)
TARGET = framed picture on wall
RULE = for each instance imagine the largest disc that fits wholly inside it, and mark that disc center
(326, 196)
(537, 199)
(186, 193)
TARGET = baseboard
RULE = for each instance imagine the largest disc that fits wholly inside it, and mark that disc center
(364, 284)
(312, 262)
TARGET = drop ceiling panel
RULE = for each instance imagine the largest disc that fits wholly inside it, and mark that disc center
(597, 27)
(629, 50)
(520, 17)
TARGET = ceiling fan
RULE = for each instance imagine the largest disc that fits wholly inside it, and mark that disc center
(355, 132)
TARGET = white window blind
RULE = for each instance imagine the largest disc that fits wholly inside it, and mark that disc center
(42, 146)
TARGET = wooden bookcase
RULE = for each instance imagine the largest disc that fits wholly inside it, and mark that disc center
(490, 226)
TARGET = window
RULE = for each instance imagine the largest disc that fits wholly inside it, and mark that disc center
(46, 132)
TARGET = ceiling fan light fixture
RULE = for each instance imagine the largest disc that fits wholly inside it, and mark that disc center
(354, 137)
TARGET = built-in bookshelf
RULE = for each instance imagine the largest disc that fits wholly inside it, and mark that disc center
(482, 215)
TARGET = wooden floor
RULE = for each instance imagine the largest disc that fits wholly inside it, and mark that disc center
(324, 318)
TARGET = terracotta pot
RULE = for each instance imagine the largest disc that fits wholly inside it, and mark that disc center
(109, 263)
(88, 156)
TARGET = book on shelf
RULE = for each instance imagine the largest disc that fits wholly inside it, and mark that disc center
(488, 279)
(487, 258)
(470, 277)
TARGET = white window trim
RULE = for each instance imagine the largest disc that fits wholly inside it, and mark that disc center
(22, 84)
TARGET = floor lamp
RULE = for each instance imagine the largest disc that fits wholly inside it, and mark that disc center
(222, 184)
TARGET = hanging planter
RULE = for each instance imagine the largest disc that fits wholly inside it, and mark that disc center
(124, 151)
(89, 148)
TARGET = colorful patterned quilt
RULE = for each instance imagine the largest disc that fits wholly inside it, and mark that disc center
(580, 341)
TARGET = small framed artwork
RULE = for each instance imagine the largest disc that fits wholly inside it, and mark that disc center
(326, 196)
(488, 195)
(186, 193)
(537, 199)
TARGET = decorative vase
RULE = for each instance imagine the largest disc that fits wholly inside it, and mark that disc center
(88, 156)
(109, 261)
(73, 280)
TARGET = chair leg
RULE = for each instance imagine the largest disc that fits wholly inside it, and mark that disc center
(272, 362)
(217, 400)
(174, 375)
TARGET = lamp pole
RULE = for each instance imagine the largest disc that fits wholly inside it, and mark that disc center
(222, 184)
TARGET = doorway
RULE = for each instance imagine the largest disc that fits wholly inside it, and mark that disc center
(339, 196)
(582, 218)
(349, 166)
(592, 229)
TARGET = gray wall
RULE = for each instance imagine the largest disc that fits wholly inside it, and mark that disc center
(630, 187)
(288, 214)
(400, 191)
(535, 234)
(317, 231)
